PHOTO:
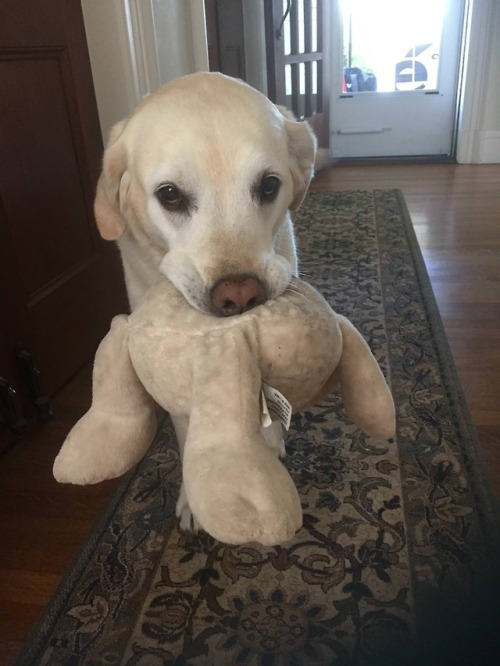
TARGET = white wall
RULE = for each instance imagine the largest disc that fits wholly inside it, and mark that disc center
(137, 45)
(479, 121)
(107, 38)
(492, 93)
(178, 27)
(255, 44)
(489, 130)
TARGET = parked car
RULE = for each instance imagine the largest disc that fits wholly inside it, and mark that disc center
(358, 80)
(419, 69)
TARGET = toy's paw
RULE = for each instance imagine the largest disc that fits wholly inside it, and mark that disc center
(240, 496)
(273, 435)
(104, 445)
(187, 521)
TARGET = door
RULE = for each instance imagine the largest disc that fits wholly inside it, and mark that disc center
(59, 282)
(225, 37)
(297, 41)
(395, 77)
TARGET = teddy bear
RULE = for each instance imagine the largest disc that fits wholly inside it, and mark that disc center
(215, 372)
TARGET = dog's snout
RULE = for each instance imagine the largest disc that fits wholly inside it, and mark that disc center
(236, 294)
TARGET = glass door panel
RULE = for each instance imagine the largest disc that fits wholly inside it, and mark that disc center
(391, 45)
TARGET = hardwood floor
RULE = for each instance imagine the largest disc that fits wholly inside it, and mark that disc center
(42, 523)
(456, 213)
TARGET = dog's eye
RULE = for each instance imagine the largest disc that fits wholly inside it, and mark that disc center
(269, 188)
(170, 196)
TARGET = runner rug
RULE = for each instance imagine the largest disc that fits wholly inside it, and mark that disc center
(395, 563)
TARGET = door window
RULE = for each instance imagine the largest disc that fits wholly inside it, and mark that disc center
(391, 45)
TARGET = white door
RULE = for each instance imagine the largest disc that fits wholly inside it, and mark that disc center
(395, 77)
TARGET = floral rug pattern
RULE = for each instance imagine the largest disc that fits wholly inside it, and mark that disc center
(396, 553)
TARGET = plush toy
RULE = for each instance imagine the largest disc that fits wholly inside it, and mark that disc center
(211, 370)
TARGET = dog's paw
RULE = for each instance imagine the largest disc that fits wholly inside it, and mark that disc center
(273, 435)
(187, 521)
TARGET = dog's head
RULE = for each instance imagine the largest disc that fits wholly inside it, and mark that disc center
(200, 180)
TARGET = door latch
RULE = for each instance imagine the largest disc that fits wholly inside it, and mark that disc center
(9, 414)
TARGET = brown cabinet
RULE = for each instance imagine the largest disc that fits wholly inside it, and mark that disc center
(60, 284)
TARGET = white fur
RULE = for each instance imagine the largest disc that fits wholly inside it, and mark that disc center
(213, 137)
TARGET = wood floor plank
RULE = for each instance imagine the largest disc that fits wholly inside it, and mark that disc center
(27, 587)
(13, 618)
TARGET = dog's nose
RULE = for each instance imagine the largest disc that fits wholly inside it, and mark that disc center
(235, 294)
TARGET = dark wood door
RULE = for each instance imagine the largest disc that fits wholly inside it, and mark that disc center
(297, 39)
(59, 282)
(225, 37)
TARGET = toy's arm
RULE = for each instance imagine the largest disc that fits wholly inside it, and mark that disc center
(119, 427)
(367, 399)
(236, 487)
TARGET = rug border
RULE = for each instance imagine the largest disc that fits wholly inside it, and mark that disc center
(49, 614)
(483, 489)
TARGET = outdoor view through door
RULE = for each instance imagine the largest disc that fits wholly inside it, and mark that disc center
(394, 76)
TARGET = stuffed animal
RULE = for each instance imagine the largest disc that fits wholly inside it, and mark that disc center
(211, 371)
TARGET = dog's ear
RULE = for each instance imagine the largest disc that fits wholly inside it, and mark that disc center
(111, 187)
(302, 152)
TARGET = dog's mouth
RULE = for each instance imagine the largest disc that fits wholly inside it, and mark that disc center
(235, 294)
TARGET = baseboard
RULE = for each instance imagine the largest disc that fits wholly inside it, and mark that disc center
(480, 147)
(489, 147)
(323, 159)
(391, 161)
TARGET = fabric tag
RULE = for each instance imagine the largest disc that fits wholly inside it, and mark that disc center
(274, 407)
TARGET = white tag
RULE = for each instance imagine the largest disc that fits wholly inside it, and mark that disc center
(275, 407)
(265, 418)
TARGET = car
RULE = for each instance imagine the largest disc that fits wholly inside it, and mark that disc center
(419, 69)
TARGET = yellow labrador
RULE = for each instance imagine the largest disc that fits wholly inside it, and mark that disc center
(197, 186)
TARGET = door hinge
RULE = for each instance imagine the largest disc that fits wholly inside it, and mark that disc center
(31, 380)
(9, 414)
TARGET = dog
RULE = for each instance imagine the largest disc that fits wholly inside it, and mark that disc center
(197, 185)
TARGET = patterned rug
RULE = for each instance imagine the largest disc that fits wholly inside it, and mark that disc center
(395, 563)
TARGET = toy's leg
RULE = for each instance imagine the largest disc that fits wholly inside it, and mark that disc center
(120, 425)
(273, 436)
(187, 521)
(235, 485)
(367, 399)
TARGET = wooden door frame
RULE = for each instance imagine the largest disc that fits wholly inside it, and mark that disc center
(277, 62)
(225, 37)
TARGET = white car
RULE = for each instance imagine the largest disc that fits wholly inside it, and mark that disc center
(419, 69)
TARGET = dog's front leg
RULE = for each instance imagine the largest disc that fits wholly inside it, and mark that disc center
(273, 434)
(187, 521)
